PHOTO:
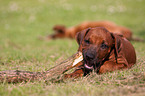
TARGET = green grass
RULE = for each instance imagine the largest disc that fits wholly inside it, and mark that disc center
(23, 21)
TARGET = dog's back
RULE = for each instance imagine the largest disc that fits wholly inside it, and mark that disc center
(112, 27)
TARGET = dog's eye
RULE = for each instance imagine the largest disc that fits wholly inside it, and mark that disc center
(87, 41)
(104, 46)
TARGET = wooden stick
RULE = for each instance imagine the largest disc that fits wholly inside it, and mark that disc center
(14, 76)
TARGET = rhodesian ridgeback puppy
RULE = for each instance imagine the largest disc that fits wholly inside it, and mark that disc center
(103, 52)
(62, 32)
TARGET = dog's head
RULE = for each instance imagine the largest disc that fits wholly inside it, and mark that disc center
(59, 29)
(95, 45)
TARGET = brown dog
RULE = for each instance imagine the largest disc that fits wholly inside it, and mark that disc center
(62, 31)
(103, 52)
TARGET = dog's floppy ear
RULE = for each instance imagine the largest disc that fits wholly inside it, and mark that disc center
(80, 35)
(117, 44)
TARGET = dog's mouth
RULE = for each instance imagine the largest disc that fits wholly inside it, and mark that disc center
(88, 67)
(88, 64)
(92, 64)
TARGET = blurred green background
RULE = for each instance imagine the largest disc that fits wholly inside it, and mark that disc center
(23, 21)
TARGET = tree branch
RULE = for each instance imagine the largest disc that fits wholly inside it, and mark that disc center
(14, 76)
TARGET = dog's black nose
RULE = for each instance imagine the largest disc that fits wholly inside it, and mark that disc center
(89, 56)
